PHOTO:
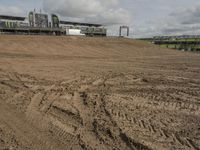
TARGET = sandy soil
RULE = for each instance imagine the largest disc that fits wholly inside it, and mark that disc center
(97, 93)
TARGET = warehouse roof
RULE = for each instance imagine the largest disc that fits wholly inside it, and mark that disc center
(80, 24)
(12, 18)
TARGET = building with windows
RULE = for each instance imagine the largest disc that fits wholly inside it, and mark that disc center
(40, 23)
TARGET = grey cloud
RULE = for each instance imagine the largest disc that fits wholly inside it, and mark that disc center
(97, 11)
(111, 17)
(188, 16)
(10, 10)
(185, 21)
(145, 17)
(179, 22)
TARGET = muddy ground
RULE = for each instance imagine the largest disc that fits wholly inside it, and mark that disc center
(76, 93)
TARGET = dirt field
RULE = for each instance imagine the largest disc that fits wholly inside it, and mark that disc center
(76, 93)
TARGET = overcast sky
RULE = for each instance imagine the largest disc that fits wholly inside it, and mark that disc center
(146, 18)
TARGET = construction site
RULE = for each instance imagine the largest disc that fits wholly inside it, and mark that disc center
(38, 23)
(92, 92)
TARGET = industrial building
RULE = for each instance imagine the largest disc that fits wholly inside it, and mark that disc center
(39, 23)
(87, 29)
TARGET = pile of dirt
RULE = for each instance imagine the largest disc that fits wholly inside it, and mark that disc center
(97, 93)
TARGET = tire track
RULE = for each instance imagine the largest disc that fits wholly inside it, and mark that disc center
(25, 131)
(65, 134)
(68, 120)
(181, 107)
(147, 125)
(49, 124)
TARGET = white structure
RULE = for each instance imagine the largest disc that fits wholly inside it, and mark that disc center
(73, 32)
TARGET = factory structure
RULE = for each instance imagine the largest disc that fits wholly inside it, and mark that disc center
(44, 24)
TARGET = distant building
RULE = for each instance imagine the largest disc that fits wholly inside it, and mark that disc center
(38, 20)
(85, 28)
(12, 21)
(38, 23)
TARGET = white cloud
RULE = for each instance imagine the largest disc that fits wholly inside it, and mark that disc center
(10, 10)
(150, 18)
(179, 22)
(112, 17)
(107, 12)
(188, 16)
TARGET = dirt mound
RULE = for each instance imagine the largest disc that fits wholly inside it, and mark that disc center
(97, 93)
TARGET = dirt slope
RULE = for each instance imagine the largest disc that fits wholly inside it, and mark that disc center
(97, 93)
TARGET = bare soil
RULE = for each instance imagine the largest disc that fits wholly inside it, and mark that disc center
(76, 93)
